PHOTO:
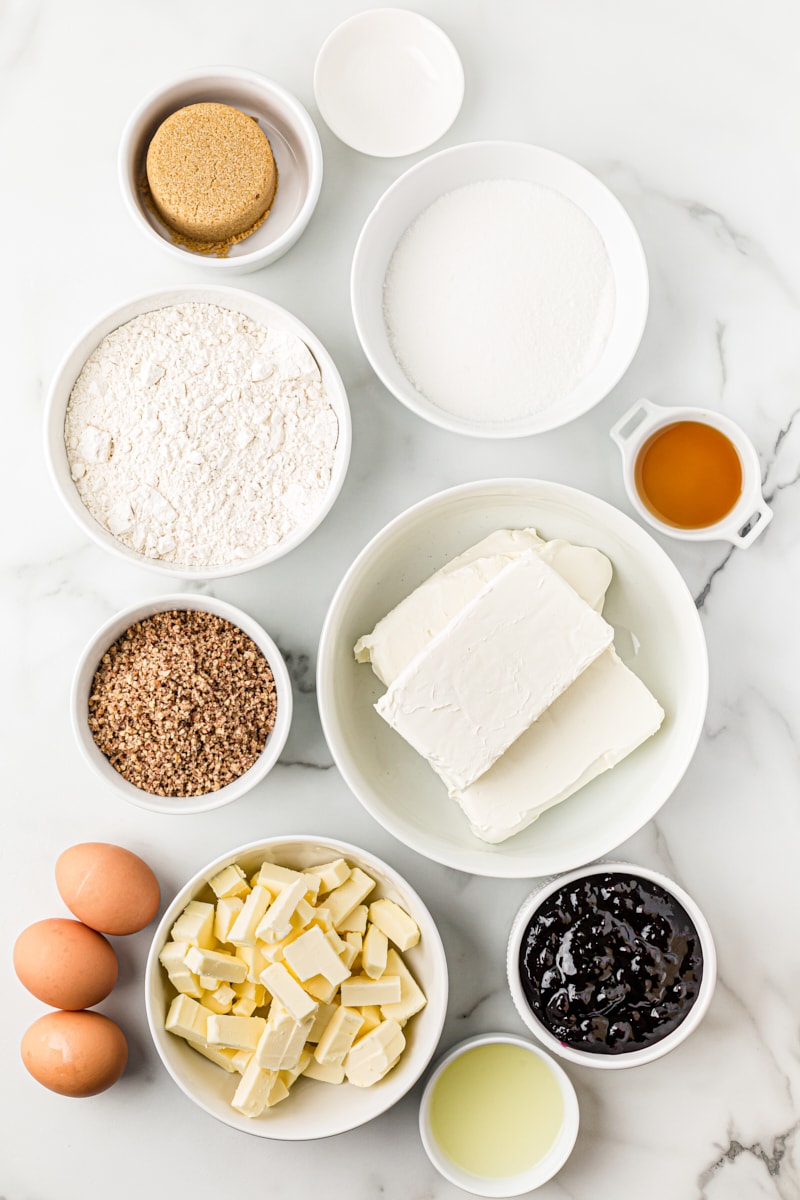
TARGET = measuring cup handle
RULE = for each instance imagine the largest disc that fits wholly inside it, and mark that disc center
(753, 526)
(630, 421)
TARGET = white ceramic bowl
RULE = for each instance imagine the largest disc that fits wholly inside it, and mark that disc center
(82, 684)
(646, 1054)
(658, 634)
(472, 163)
(511, 1185)
(314, 1110)
(388, 82)
(258, 309)
(749, 516)
(295, 146)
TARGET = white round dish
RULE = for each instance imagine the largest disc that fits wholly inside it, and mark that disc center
(388, 82)
(314, 1110)
(751, 514)
(82, 684)
(646, 1054)
(513, 1185)
(258, 309)
(658, 634)
(424, 183)
(295, 147)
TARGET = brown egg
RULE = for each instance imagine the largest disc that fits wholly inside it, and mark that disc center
(65, 964)
(107, 887)
(75, 1053)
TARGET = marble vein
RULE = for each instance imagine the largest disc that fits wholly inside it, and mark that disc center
(772, 1159)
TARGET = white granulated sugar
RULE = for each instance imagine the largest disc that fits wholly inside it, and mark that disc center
(499, 299)
(199, 437)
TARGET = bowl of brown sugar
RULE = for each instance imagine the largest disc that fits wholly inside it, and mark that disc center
(222, 167)
(182, 704)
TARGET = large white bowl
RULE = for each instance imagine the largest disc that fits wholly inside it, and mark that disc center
(658, 634)
(258, 309)
(424, 183)
(295, 146)
(313, 1110)
(82, 686)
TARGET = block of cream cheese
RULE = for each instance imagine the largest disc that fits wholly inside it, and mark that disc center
(600, 719)
(486, 677)
(408, 628)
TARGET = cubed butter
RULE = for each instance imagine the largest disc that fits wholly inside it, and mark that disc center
(395, 922)
(363, 990)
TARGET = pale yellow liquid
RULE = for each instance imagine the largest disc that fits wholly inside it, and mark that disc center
(496, 1110)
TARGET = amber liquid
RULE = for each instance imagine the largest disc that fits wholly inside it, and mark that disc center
(688, 475)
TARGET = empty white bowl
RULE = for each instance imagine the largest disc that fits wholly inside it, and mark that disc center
(475, 162)
(632, 1058)
(295, 147)
(508, 1185)
(82, 685)
(658, 634)
(388, 82)
(259, 309)
(313, 1110)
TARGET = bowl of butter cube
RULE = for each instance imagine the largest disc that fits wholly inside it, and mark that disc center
(296, 988)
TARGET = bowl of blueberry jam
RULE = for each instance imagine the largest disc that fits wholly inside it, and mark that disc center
(611, 965)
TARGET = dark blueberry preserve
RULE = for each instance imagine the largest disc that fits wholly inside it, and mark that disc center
(611, 963)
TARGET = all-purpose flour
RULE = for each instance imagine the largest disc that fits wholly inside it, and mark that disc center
(499, 299)
(199, 437)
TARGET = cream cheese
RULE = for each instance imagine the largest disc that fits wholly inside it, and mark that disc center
(408, 628)
(487, 676)
(605, 714)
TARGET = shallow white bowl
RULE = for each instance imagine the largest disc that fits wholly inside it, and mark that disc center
(635, 1058)
(82, 685)
(510, 1185)
(658, 634)
(424, 183)
(388, 82)
(314, 1110)
(258, 309)
(295, 147)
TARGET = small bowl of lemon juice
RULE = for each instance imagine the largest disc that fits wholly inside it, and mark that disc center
(498, 1116)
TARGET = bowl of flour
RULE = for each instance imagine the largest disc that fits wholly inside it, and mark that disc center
(199, 431)
(499, 289)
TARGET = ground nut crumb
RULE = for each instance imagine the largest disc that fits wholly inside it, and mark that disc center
(182, 703)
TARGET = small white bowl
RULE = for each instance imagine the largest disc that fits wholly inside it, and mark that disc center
(750, 515)
(388, 82)
(295, 146)
(474, 162)
(314, 1110)
(513, 1185)
(258, 309)
(658, 635)
(633, 1058)
(82, 685)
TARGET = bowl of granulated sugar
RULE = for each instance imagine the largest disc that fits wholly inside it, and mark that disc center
(499, 289)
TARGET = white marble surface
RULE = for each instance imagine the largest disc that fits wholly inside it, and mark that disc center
(689, 113)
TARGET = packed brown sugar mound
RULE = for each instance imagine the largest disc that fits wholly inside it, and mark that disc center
(211, 175)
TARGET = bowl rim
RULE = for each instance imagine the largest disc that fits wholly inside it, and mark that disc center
(437, 1003)
(493, 865)
(225, 296)
(109, 632)
(254, 258)
(548, 419)
(537, 1175)
(432, 31)
(646, 1054)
